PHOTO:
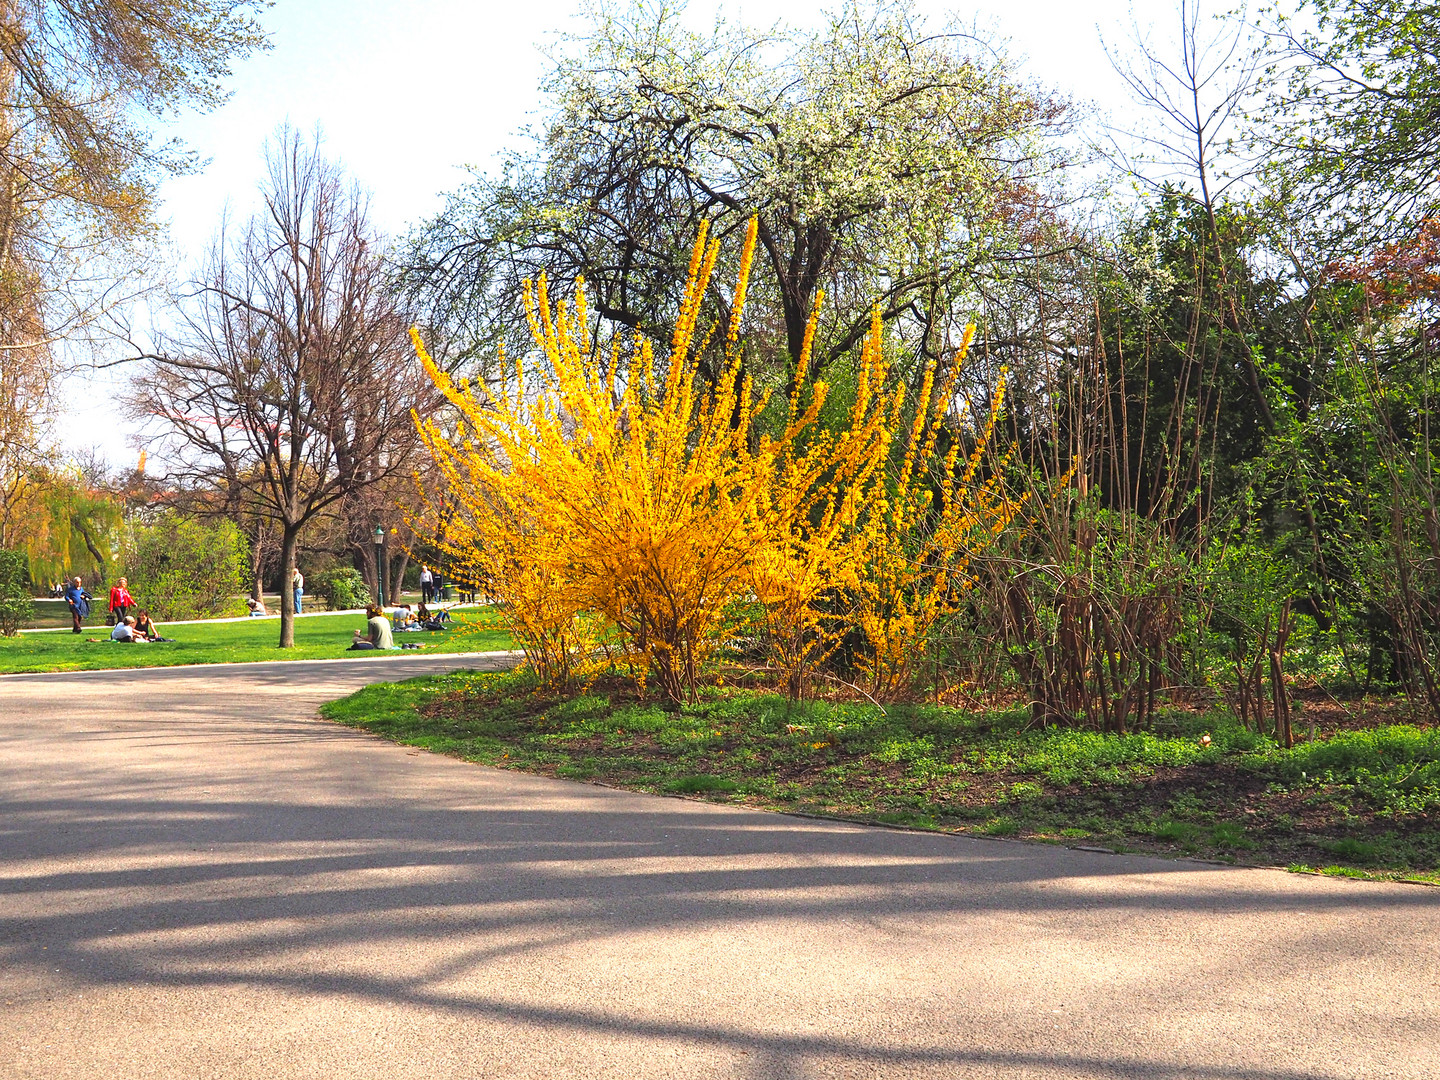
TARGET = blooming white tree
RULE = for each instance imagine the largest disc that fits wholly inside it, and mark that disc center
(883, 161)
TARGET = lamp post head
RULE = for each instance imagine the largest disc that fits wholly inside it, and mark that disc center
(379, 535)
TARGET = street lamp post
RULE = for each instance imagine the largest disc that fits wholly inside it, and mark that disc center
(379, 566)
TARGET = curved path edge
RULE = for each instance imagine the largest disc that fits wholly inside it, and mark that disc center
(199, 878)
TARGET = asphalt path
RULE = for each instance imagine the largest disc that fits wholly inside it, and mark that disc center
(199, 878)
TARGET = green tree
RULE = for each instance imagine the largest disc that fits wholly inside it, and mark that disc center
(1353, 116)
(16, 606)
(71, 524)
(185, 568)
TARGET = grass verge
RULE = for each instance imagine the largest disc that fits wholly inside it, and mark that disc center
(317, 637)
(1356, 803)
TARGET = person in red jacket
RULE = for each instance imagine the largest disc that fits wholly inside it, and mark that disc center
(120, 600)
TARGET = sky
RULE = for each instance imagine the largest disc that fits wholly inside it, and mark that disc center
(408, 94)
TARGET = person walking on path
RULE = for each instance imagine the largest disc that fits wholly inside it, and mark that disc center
(79, 605)
(427, 584)
(298, 584)
(120, 600)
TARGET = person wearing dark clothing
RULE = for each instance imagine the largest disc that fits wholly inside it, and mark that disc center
(146, 626)
(432, 620)
(78, 603)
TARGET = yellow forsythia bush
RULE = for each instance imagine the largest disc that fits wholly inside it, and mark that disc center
(590, 506)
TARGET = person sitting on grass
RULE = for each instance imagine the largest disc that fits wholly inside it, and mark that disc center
(146, 625)
(256, 606)
(379, 627)
(432, 620)
(405, 619)
(126, 633)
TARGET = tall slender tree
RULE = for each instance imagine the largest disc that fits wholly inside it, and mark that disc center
(293, 375)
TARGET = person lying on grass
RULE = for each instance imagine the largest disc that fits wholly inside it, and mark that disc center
(126, 633)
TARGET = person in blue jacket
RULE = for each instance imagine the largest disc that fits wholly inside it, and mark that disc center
(79, 603)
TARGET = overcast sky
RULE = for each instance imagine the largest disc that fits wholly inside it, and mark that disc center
(409, 93)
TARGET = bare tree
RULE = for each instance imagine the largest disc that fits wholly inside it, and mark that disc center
(1192, 98)
(293, 379)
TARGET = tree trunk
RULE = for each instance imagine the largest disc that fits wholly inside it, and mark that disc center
(1284, 733)
(364, 560)
(100, 574)
(398, 566)
(257, 563)
(288, 543)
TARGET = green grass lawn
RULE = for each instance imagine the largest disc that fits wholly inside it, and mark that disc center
(321, 636)
(52, 612)
(1356, 803)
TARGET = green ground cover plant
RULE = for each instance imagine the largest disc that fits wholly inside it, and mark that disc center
(342, 587)
(1362, 802)
(316, 638)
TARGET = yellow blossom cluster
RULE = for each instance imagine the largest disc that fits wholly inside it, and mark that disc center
(609, 496)
(916, 554)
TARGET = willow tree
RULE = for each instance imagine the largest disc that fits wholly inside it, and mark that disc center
(79, 166)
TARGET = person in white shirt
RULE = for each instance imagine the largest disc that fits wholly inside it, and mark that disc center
(298, 584)
(125, 632)
(427, 584)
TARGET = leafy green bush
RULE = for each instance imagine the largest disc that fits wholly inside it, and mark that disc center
(16, 607)
(342, 588)
(183, 568)
(1397, 767)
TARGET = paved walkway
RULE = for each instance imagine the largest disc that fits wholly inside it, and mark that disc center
(200, 880)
